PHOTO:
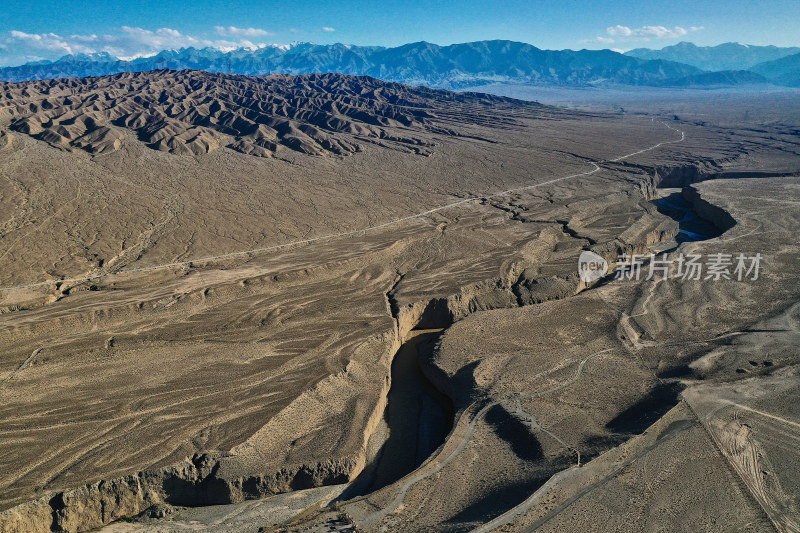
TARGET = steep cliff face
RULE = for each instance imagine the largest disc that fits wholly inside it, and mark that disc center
(681, 176)
(678, 176)
(191, 483)
(708, 211)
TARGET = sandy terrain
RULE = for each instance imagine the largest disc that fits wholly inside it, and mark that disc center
(198, 326)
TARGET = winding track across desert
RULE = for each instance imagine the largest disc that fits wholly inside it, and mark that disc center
(191, 348)
(302, 242)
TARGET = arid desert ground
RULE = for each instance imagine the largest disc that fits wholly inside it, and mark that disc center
(330, 303)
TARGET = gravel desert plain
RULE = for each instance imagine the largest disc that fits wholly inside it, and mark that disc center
(332, 303)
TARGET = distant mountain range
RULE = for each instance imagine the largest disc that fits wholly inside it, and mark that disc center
(727, 56)
(457, 66)
(453, 67)
(783, 71)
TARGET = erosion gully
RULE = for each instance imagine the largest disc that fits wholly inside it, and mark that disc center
(419, 417)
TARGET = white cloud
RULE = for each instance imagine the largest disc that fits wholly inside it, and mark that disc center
(48, 42)
(328, 28)
(620, 31)
(125, 43)
(649, 32)
(615, 34)
(598, 40)
(161, 39)
(233, 31)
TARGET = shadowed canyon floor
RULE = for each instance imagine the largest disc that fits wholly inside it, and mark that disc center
(185, 324)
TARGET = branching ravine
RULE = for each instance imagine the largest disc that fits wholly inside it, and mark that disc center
(391, 302)
(435, 465)
(246, 253)
(479, 409)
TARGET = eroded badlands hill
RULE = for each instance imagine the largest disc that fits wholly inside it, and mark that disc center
(193, 112)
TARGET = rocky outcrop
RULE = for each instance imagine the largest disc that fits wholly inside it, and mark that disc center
(193, 482)
(531, 291)
(6, 140)
(681, 175)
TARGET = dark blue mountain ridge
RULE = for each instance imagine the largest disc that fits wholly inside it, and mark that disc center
(725, 56)
(783, 71)
(456, 66)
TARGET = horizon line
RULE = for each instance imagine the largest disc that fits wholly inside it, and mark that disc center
(287, 46)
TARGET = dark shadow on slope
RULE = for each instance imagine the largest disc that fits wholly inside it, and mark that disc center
(690, 226)
(644, 413)
(518, 436)
(502, 495)
(493, 504)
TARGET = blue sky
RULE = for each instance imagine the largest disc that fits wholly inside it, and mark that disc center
(48, 29)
